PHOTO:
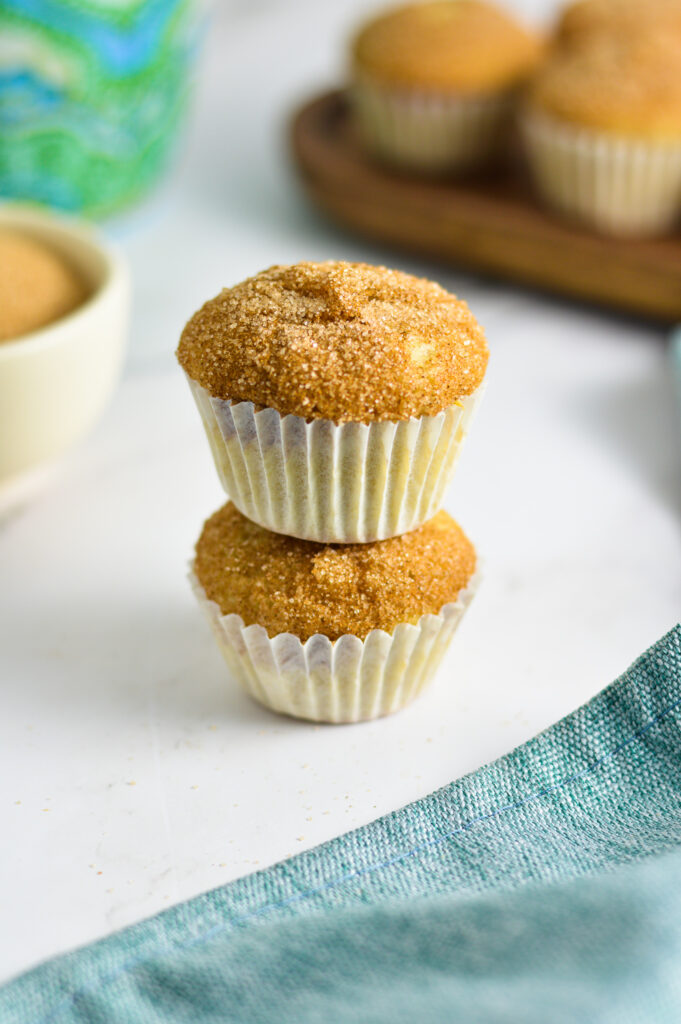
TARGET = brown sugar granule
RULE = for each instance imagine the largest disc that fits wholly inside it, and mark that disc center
(297, 586)
(465, 46)
(337, 341)
(37, 286)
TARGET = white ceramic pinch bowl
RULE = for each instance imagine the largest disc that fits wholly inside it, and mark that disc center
(55, 381)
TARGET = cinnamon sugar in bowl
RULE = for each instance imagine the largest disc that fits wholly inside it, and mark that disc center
(37, 285)
(64, 297)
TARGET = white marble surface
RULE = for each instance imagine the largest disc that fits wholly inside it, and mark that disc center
(134, 774)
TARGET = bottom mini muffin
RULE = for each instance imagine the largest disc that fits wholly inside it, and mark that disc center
(332, 633)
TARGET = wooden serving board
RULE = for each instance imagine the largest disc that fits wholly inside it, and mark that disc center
(492, 224)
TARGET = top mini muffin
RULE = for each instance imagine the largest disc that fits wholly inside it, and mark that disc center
(467, 46)
(346, 342)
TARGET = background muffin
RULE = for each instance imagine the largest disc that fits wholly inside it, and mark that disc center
(335, 396)
(432, 82)
(603, 132)
(334, 633)
(586, 20)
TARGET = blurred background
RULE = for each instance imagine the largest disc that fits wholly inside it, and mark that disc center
(233, 203)
(198, 106)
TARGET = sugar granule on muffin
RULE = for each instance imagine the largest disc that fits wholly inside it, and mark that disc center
(337, 341)
(300, 587)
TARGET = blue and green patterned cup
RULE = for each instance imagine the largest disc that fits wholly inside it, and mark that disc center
(91, 96)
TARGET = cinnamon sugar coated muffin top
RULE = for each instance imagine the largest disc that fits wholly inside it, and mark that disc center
(37, 286)
(584, 19)
(297, 586)
(337, 341)
(466, 45)
(628, 87)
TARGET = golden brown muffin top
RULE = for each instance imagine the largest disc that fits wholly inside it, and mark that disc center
(468, 46)
(336, 341)
(583, 19)
(37, 286)
(630, 88)
(300, 587)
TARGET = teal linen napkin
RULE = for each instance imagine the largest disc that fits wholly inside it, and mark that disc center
(544, 888)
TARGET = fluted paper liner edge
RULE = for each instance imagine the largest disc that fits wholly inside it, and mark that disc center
(620, 186)
(429, 132)
(347, 680)
(333, 482)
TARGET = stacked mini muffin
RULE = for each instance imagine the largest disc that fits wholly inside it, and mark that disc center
(336, 398)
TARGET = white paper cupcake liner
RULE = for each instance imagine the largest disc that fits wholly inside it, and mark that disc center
(429, 133)
(618, 186)
(348, 680)
(330, 482)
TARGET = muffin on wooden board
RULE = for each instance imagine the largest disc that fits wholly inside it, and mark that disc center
(335, 396)
(335, 633)
(602, 129)
(432, 83)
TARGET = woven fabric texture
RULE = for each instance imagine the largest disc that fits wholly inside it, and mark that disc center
(542, 888)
